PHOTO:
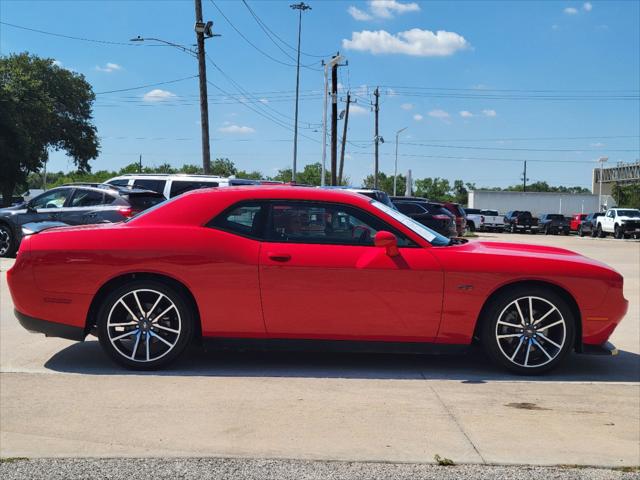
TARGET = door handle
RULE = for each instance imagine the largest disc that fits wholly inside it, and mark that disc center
(279, 257)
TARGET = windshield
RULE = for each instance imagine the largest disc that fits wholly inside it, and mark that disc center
(629, 213)
(429, 235)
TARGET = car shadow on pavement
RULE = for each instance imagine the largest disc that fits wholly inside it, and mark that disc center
(473, 367)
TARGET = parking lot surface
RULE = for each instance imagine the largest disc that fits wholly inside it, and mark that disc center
(65, 399)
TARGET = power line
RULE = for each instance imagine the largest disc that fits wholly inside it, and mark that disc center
(266, 28)
(84, 39)
(490, 159)
(480, 90)
(469, 147)
(254, 45)
(139, 87)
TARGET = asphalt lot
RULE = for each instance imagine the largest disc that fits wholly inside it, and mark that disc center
(65, 399)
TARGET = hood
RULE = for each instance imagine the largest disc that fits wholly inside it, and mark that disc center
(626, 218)
(8, 211)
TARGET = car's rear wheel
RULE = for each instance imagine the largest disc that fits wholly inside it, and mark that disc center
(617, 232)
(7, 241)
(528, 330)
(580, 231)
(599, 232)
(144, 325)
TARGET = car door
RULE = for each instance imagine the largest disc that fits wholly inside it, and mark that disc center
(607, 221)
(47, 206)
(322, 277)
(84, 205)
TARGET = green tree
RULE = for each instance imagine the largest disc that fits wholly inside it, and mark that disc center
(254, 175)
(627, 196)
(42, 107)
(223, 167)
(385, 183)
(434, 189)
(310, 175)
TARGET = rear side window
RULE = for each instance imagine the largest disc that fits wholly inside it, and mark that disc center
(179, 187)
(142, 202)
(492, 213)
(148, 184)
(87, 198)
(119, 183)
(246, 219)
(409, 208)
(472, 211)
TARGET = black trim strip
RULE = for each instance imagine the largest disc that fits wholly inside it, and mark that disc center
(50, 329)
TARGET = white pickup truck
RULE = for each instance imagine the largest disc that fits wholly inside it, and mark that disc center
(621, 222)
(482, 220)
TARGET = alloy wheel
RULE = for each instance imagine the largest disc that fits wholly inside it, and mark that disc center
(144, 325)
(531, 332)
(5, 241)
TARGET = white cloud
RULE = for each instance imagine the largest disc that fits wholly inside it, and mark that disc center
(570, 11)
(417, 42)
(391, 92)
(57, 63)
(387, 8)
(466, 114)
(597, 145)
(356, 109)
(587, 7)
(407, 106)
(489, 113)
(358, 14)
(236, 129)
(417, 117)
(264, 100)
(157, 95)
(109, 67)
(441, 114)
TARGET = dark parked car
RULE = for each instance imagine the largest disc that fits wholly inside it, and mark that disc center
(520, 221)
(458, 212)
(554, 223)
(588, 225)
(75, 204)
(429, 214)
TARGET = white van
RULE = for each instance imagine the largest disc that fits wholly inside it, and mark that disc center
(173, 184)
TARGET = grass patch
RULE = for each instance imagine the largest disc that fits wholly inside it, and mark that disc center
(443, 461)
(13, 459)
(469, 234)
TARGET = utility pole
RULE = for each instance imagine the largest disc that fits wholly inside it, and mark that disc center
(395, 168)
(524, 178)
(602, 160)
(202, 73)
(140, 164)
(376, 138)
(301, 7)
(334, 60)
(344, 138)
(334, 124)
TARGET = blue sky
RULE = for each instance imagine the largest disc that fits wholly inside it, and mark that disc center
(481, 86)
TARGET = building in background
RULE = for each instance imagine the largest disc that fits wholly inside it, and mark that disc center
(622, 174)
(538, 202)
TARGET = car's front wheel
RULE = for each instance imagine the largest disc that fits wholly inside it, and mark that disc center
(7, 241)
(528, 330)
(144, 325)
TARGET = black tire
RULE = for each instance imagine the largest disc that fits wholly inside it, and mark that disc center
(513, 228)
(182, 313)
(471, 226)
(580, 231)
(546, 230)
(599, 232)
(490, 326)
(8, 241)
(594, 232)
(617, 232)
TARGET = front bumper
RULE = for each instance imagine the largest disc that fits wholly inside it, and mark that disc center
(50, 329)
(607, 348)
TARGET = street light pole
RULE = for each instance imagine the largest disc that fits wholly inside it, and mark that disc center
(301, 7)
(336, 59)
(395, 168)
(602, 160)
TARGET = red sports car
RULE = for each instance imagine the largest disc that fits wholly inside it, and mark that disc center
(280, 264)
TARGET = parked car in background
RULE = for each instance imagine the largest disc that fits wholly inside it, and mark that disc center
(430, 215)
(520, 221)
(73, 204)
(553, 223)
(252, 264)
(458, 212)
(576, 221)
(483, 220)
(620, 222)
(379, 195)
(588, 225)
(173, 184)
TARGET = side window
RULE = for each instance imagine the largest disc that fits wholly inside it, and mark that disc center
(246, 219)
(53, 199)
(123, 182)
(87, 198)
(148, 184)
(181, 186)
(409, 208)
(611, 214)
(325, 223)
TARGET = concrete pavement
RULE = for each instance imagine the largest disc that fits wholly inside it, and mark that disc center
(59, 398)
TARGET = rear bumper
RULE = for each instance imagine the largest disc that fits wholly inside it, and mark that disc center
(607, 348)
(50, 329)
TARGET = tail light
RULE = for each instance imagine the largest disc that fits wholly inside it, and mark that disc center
(128, 212)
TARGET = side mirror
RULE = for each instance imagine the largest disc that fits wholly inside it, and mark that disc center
(388, 241)
(30, 208)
